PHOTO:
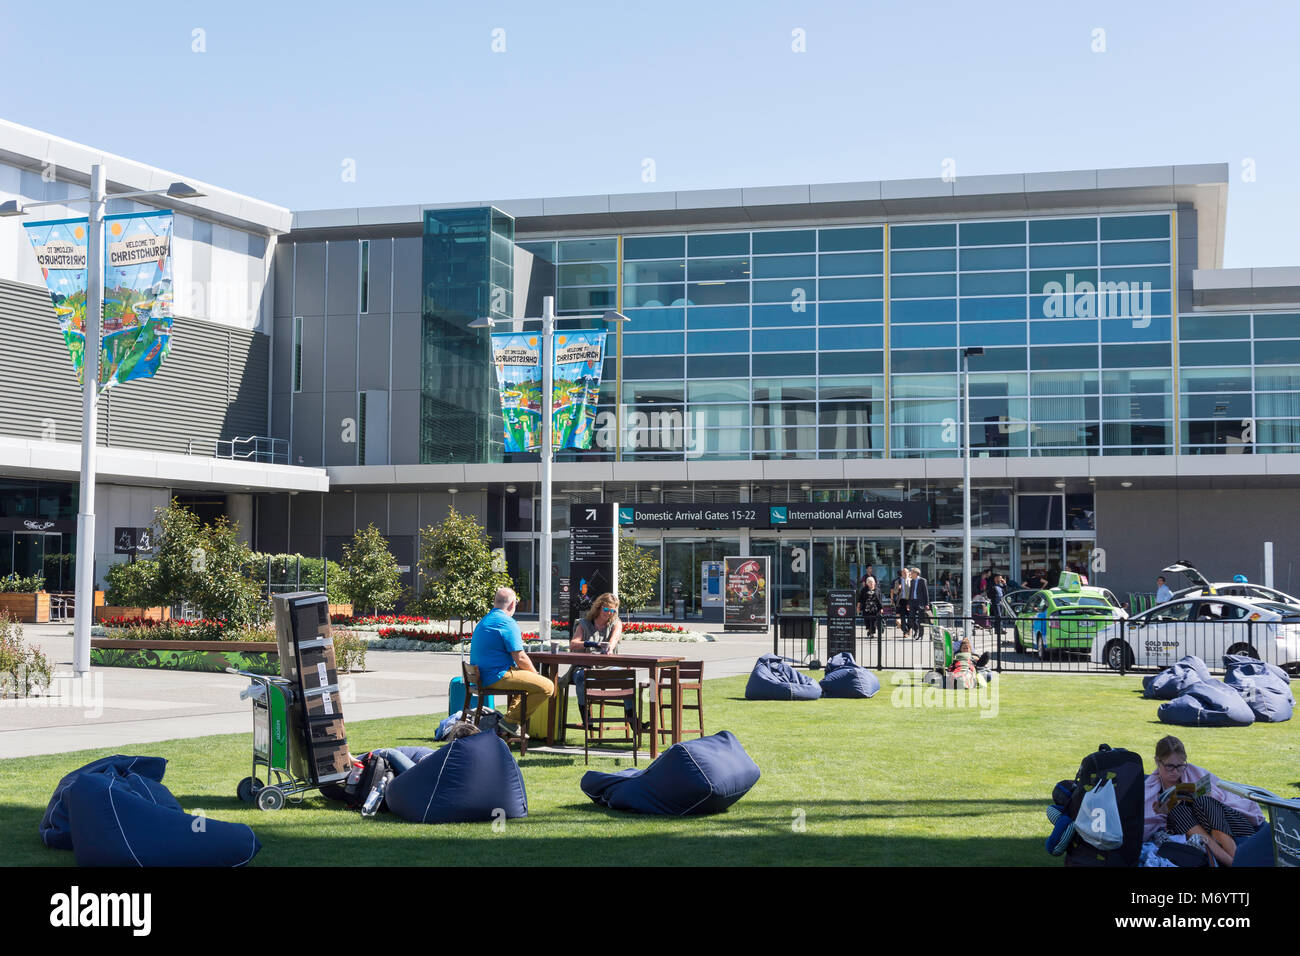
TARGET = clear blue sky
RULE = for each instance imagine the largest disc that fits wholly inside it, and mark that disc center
(712, 92)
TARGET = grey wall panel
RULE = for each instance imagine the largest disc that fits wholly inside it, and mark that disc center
(372, 508)
(283, 379)
(374, 353)
(344, 286)
(406, 350)
(280, 416)
(212, 385)
(402, 513)
(1220, 531)
(341, 423)
(341, 353)
(339, 510)
(313, 353)
(381, 276)
(305, 531)
(282, 277)
(404, 415)
(272, 513)
(407, 263)
(309, 279)
(307, 410)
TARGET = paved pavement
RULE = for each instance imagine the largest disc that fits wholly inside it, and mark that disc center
(122, 706)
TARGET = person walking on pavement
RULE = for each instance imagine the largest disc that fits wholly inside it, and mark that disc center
(869, 605)
(997, 589)
(918, 602)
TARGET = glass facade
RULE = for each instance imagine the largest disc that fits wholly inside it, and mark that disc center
(845, 341)
(467, 273)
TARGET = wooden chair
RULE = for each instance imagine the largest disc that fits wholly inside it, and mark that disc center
(691, 676)
(475, 692)
(603, 686)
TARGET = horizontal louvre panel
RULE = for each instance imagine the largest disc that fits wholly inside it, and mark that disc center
(212, 385)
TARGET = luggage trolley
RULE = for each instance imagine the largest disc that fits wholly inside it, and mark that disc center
(274, 744)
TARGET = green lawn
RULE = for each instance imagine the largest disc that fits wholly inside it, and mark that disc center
(876, 784)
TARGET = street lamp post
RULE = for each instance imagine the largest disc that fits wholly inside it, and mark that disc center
(965, 489)
(85, 584)
(547, 452)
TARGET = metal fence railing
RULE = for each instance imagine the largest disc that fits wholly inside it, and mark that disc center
(258, 448)
(1047, 645)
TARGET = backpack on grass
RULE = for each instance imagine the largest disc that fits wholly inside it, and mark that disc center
(1124, 769)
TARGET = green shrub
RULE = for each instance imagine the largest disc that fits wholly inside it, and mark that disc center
(372, 580)
(16, 584)
(131, 584)
(349, 651)
(23, 669)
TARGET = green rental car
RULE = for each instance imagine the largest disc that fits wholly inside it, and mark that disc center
(1065, 618)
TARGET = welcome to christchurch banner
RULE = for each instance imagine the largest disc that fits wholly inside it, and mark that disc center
(135, 335)
(575, 387)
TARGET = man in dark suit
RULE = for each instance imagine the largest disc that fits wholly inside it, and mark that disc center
(918, 602)
(997, 590)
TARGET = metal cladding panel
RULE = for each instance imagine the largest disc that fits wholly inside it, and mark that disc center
(212, 385)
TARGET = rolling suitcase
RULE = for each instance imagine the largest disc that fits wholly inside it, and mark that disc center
(456, 696)
(1124, 768)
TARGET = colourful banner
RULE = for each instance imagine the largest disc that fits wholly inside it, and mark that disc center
(137, 317)
(575, 388)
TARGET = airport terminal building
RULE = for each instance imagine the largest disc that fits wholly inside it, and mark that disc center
(793, 356)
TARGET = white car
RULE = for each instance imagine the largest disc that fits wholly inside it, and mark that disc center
(1241, 588)
(1208, 626)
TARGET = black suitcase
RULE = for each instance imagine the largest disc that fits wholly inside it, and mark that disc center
(1124, 768)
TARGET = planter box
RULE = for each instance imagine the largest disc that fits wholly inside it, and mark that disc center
(260, 657)
(147, 613)
(340, 610)
(30, 608)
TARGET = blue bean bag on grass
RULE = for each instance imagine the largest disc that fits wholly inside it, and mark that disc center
(1264, 687)
(706, 775)
(1256, 849)
(1208, 703)
(844, 678)
(774, 679)
(113, 825)
(1176, 678)
(464, 782)
(141, 774)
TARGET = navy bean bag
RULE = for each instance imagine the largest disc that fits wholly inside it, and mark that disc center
(774, 679)
(844, 678)
(113, 825)
(466, 781)
(1256, 849)
(1174, 679)
(700, 776)
(1207, 703)
(1264, 687)
(141, 774)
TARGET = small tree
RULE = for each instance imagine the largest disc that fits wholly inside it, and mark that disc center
(206, 565)
(132, 583)
(371, 576)
(456, 558)
(638, 574)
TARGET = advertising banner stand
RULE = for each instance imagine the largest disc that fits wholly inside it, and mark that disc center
(747, 600)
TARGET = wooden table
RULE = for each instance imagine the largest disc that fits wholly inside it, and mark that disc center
(548, 665)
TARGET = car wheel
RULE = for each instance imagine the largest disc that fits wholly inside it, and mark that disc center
(1118, 654)
(1245, 649)
(1043, 653)
(1020, 648)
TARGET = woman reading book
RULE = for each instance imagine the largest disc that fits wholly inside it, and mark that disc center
(1185, 799)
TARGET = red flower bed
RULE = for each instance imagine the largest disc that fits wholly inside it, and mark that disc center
(390, 619)
(434, 637)
(640, 627)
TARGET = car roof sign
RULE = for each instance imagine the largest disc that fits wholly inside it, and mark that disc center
(1070, 582)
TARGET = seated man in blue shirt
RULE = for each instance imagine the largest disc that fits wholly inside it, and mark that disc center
(497, 650)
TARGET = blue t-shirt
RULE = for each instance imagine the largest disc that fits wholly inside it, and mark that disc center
(495, 640)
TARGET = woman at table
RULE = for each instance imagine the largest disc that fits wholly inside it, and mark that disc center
(597, 632)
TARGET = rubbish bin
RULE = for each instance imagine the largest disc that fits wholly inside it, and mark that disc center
(679, 610)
